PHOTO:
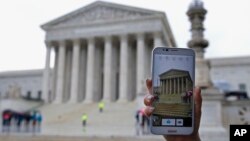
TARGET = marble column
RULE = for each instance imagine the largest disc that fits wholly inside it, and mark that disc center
(67, 73)
(186, 84)
(54, 75)
(174, 85)
(90, 70)
(123, 88)
(182, 84)
(75, 72)
(158, 39)
(178, 85)
(107, 69)
(170, 85)
(162, 86)
(82, 72)
(46, 74)
(60, 72)
(140, 64)
(165, 86)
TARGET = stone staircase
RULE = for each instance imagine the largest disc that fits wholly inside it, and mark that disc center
(118, 119)
(181, 110)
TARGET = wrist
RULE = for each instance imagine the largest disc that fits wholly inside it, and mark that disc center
(183, 138)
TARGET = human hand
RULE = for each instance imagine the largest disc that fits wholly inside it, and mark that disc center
(197, 112)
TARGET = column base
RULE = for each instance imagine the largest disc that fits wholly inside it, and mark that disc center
(57, 102)
(72, 102)
(108, 101)
(122, 101)
(87, 101)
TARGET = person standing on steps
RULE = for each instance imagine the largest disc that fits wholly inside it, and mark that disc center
(101, 106)
(84, 119)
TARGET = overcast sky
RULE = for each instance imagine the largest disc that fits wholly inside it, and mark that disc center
(22, 40)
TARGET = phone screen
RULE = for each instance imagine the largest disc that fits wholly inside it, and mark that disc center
(173, 81)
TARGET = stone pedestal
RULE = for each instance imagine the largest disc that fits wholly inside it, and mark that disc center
(211, 128)
(202, 75)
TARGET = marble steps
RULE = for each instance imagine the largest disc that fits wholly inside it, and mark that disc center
(65, 119)
(176, 109)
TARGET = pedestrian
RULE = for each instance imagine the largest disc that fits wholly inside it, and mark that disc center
(142, 120)
(39, 119)
(84, 119)
(20, 117)
(137, 124)
(27, 119)
(34, 121)
(6, 120)
(101, 106)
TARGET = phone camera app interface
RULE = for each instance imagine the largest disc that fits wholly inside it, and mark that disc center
(173, 90)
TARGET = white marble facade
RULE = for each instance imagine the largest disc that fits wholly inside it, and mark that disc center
(16, 84)
(102, 52)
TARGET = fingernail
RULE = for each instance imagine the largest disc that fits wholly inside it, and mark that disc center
(150, 97)
(151, 109)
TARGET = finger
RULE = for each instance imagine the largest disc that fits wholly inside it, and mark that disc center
(148, 111)
(149, 85)
(198, 99)
(198, 104)
(148, 99)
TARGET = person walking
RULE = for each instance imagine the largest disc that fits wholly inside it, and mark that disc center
(34, 121)
(6, 116)
(39, 119)
(137, 124)
(101, 106)
(84, 119)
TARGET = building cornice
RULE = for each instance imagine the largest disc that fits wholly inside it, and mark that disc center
(229, 61)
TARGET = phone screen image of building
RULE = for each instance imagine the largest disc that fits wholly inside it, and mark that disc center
(173, 91)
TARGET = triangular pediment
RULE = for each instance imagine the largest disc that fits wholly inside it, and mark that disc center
(100, 11)
(174, 72)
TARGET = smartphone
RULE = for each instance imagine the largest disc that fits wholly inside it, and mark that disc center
(173, 75)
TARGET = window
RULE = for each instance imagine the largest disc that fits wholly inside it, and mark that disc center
(39, 95)
(28, 94)
(242, 87)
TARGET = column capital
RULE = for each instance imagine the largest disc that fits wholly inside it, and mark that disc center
(107, 38)
(123, 36)
(158, 42)
(76, 41)
(140, 35)
(48, 43)
(62, 43)
(157, 34)
(91, 39)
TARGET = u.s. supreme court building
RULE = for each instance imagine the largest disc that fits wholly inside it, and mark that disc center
(102, 51)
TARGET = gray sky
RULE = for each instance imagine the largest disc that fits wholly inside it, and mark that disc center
(22, 40)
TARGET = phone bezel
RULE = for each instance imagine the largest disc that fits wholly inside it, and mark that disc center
(166, 130)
